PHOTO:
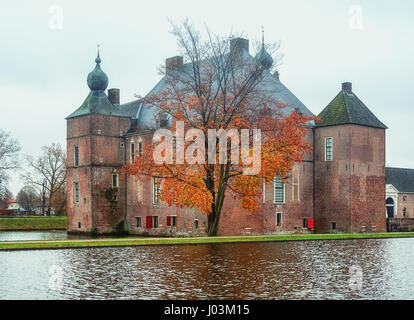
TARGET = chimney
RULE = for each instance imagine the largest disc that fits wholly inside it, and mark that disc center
(347, 86)
(173, 63)
(237, 44)
(113, 96)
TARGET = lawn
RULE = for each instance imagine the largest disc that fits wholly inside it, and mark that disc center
(35, 223)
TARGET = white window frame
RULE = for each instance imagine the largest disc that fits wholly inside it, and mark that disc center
(274, 191)
(140, 221)
(153, 191)
(326, 158)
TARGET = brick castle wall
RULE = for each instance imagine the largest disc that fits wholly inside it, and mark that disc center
(350, 190)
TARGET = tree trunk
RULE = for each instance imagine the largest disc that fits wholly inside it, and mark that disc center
(214, 216)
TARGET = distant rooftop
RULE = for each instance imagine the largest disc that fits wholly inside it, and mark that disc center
(400, 178)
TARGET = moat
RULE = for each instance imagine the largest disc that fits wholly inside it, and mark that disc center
(278, 270)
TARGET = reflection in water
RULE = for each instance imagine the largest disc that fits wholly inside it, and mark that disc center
(32, 235)
(279, 270)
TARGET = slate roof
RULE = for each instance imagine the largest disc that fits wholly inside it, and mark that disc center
(400, 178)
(97, 102)
(270, 86)
(347, 108)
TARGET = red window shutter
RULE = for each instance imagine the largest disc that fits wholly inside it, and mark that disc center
(169, 221)
(311, 223)
(149, 222)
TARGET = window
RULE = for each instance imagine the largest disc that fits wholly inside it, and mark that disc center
(171, 221)
(405, 198)
(76, 192)
(114, 181)
(404, 212)
(328, 149)
(138, 222)
(155, 221)
(305, 222)
(279, 190)
(152, 222)
(132, 149)
(140, 148)
(195, 224)
(333, 225)
(278, 219)
(76, 156)
(156, 190)
(79, 225)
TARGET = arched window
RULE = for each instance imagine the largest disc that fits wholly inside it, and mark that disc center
(390, 207)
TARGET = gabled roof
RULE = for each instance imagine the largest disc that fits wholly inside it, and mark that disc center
(400, 178)
(347, 108)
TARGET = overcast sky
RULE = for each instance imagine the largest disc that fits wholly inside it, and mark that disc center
(43, 68)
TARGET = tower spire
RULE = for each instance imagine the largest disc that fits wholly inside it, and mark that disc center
(262, 36)
(98, 58)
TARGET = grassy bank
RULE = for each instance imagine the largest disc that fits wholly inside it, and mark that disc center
(60, 244)
(37, 223)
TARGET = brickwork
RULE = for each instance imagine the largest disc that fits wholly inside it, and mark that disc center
(99, 140)
(405, 200)
(350, 189)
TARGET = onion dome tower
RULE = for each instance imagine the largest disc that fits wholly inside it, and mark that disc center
(97, 101)
(97, 79)
(263, 57)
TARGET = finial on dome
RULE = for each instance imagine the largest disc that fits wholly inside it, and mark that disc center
(264, 58)
(262, 36)
(98, 58)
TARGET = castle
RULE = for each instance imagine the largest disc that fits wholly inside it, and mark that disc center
(339, 187)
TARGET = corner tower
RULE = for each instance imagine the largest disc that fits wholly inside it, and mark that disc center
(95, 152)
(349, 151)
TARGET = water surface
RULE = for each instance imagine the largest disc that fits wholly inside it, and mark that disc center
(32, 235)
(278, 270)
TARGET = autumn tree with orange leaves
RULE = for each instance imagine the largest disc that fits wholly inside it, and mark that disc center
(219, 88)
